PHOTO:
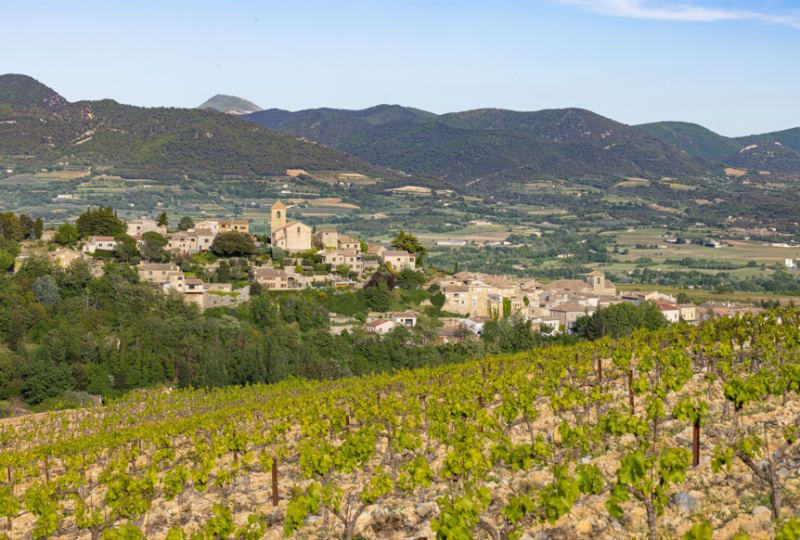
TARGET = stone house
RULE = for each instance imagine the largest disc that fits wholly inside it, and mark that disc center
(399, 259)
(327, 238)
(100, 242)
(274, 280)
(348, 243)
(380, 326)
(568, 314)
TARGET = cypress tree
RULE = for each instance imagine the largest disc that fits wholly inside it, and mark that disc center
(38, 226)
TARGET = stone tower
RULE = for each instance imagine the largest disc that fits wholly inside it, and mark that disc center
(597, 280)
(278, 216)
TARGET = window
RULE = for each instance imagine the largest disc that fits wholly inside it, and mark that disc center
(279, 214)
(298, 230)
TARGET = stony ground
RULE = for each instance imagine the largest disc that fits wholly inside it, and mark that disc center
(732, 501)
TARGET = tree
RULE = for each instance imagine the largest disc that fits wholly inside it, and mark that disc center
(186, 223)
(409, 278)
(67, 234)
(233, 244)
(6, 261)
(127, 248)
(11, 227)
(343, 270)
(100, 222)
(379, 297)
(153, 246)
(255, 289)
(38, 226)
(75, 277)
(163, 220)
(44, 379)
(426, 329)
(438, 300)
(455, 268)
(382, 276)
(45, 290)
(224, 272)
(16, 332)
(408, 242)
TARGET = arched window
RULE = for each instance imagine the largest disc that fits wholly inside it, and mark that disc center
(279, 214)
(298, 230)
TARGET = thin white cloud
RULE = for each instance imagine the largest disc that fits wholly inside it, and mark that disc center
(641, 9)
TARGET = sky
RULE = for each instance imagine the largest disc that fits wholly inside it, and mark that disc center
(731, 66)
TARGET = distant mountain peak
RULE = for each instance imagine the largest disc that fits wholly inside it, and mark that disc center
(230, 105)
(25, 91)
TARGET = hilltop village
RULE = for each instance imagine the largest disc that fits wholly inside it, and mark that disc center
(296, 257)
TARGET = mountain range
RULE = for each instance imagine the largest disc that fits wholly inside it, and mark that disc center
(485, 149)
(489, 148)
(38, 127)
(776, 152)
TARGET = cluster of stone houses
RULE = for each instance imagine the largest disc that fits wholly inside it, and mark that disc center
(195, 240)
(558, 304)
(206, 295)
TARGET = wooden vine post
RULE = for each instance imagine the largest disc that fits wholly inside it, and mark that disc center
(696, 443)
(274, 483)
(630, 390)
(347, 424)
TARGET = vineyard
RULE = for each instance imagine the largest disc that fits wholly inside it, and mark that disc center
(684, 433)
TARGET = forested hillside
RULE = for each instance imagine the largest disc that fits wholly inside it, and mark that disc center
(40, 128)
(501, 145)
(774, 152)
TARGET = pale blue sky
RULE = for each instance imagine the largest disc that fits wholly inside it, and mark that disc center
(731, 66)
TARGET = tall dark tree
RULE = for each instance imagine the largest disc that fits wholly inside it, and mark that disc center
(38, 227)
(224, 272)
(100, 221)
(163, 220)
(153, 246)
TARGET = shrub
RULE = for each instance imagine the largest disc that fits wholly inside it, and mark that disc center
(45, 290)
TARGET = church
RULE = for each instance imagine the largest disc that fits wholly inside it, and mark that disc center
(292, 236)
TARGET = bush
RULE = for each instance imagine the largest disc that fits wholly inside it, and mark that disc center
(45, 290)
(5, 409)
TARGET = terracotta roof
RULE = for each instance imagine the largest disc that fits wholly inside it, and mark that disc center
(568, 307)
(269, 272)
(103, 238)
(194, 281)
(455, 288)
(278, 206)
(158, 266)
(378, 322)
(568, 284)
(397, 254)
